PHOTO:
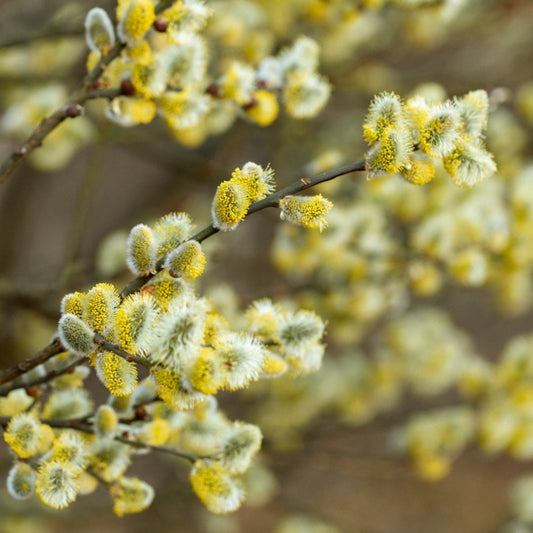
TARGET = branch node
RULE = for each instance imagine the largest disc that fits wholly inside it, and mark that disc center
(126, 87)
(160, 25)
(74, 111)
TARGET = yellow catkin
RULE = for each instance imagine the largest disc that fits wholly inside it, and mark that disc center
(265, 108)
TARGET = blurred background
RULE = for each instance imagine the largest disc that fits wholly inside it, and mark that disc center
(330, 466)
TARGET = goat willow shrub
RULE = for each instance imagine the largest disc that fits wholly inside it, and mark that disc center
(199, 66)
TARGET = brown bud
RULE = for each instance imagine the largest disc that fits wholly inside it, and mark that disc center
(74, 111)
(160, 25)
(127, 88)
(213, 90)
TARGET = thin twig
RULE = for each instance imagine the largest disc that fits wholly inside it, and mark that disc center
(73, 108)
(110, 347)
(80, 424)
(22, 367)
(269, 201)
(208, 231)
(43, 379)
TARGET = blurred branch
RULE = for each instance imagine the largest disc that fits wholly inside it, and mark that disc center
(52, 374)
(72, 109)
(22, 367)
(81, 424)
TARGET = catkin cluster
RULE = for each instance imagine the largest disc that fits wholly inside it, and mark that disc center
(64, 446)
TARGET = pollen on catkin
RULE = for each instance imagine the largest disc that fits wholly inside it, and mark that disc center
(135, 323)
(170, 231)
(130, 495)
(390, 154)
(141, 250)
(263, 109)
(105, 422)
(385, 111)
(256, 180)
(206, 375)
(441, 130)
(305, 94)
(73, 303)
(134, 19)
(242, 442)
(118, 375)
(468, 164)
(216, 488)
(100, 305)
(187, 260)
(230, 205)
(56, 484)
(23, 434)
(306, 211)
(241, 358)
(69, 448)
(173, 390)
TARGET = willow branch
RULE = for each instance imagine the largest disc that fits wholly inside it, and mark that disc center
(110, 347)
(52, 374)
(22, 367)
(270, 201)
(73, 108)
(80, 424)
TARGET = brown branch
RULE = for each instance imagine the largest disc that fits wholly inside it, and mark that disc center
(80, 424)
(73, 108)
(20, 368)
(269, 201)
(44, 379)
(110, 347)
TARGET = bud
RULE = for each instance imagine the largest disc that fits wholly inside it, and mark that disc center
(141, 251)
(241, 358)
(258, 182)
(134, 19)
(56, 484)
(21, 481)
(105, 422)
(131, 495)
(390, 154)
(264, 108)
(75, 335)
(135, 323)
(473, 110)
(468, 164)
(23, 434)
(187, 260)
(207, 374)
(241, 444)
(306, 211)
(99, 31)
(69, 448)
(305, 94)
(118, 375)
(385, 112)
(70, 403)
(174, 391)
(230, 205)
(216, 488)
(441, 130)
(170, 231)
(73, 303)
(100, 305)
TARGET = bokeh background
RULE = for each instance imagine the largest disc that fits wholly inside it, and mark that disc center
(53, 224)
